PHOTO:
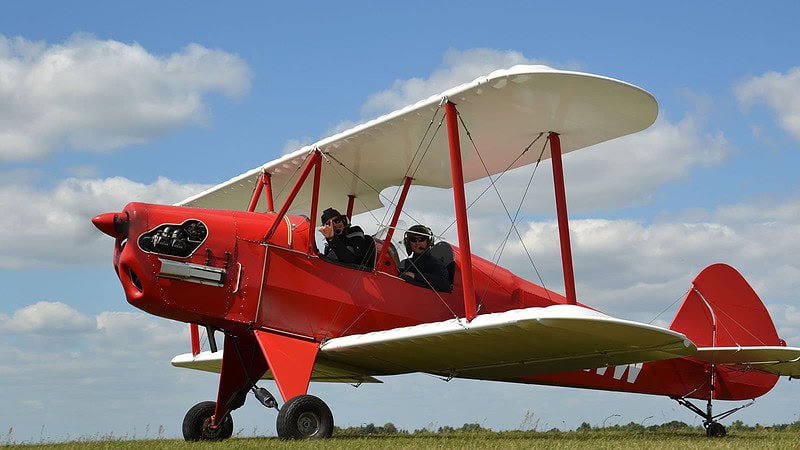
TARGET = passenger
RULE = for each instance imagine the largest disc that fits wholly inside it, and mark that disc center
(421, 267)
(344, 243)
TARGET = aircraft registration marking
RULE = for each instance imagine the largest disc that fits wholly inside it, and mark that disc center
(632, 370)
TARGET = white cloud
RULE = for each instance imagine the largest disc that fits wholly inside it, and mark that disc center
(47, 317)
(780, 92)
(458, 67)
(293, 145)
(53, 228)
(116, 331)
(91, 94)
(625, 172)
(113, 359)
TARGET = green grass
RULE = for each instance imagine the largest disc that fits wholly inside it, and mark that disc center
(594, 439)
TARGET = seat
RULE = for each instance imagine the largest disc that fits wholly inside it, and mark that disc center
(369, 258)
(444, 253)
(391, 265)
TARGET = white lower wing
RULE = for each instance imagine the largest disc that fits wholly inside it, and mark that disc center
(493, 346)
(514, 343)
(323, 372)
(784, 361)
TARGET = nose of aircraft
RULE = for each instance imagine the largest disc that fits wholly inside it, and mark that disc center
(111, 224)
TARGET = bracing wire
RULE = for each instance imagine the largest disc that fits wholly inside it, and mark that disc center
(416, 152)
(493, 184)
(296, 171)
(668, 306)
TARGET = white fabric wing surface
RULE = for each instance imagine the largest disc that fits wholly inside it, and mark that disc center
(504, 111)
(784, 361)
(514, 343)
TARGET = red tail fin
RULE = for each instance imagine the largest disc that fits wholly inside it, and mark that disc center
(720, 293)
(722, 310)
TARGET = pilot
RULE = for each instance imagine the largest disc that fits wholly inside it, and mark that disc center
(344, 242)
(421, 267)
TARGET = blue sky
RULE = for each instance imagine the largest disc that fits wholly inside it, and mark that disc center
(101, 104)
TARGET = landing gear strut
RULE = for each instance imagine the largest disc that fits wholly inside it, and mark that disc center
(713, 428)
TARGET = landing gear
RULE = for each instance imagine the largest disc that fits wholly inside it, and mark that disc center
(305, 417)
(197, 424)
(713, 428)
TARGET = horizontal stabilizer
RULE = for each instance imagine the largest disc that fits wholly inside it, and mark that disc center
(501, 345)
(323, 372)
(783, 361)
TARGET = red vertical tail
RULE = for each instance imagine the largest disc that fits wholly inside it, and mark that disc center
(722, 310)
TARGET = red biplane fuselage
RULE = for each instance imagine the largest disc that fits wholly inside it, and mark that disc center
(258, 277)
(282, 286)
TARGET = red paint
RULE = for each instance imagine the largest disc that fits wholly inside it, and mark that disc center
(268, 190)
(461, 210)
(304, 299)
(314, 202)
(312, 162)
(290, 360)
(395, 217)
(350, 201)
(563, 221)
(257, 192)
(195, 337)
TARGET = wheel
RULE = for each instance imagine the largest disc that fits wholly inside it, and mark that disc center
(198, 419)
(715, 429)
(305, 417)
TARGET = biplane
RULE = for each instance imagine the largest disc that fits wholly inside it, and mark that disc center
(241, 259)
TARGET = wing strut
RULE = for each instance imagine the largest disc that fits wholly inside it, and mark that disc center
(470, 310)
(563, 221)
(390, 230)
(194, 332)
(350, 201)
(314, 201)
(257, 192)
(268, 189)
(313, 162)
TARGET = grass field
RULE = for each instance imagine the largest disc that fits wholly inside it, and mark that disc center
(595, 439)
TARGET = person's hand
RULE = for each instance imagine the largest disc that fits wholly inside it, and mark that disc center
(327, 231)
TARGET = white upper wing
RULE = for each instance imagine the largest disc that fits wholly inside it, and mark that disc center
(504, 112)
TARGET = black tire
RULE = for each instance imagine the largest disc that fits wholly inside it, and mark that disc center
(715, 429)
(305, 417)
(197, 420)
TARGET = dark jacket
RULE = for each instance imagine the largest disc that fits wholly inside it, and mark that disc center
(350, 247)
(428, 271)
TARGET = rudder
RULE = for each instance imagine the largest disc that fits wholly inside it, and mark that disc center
(721, 309)
(741, 318)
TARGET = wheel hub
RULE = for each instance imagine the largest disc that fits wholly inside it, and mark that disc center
(308, 423)
(211, 432)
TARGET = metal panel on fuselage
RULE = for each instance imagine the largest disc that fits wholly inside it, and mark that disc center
(177, 299)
